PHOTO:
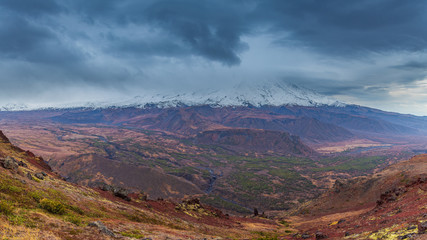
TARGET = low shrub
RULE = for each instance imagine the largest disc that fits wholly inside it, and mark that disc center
(6, 208)
(74, 219)
(10, 187)
(36, 195)
(76, 209)
(52, 206)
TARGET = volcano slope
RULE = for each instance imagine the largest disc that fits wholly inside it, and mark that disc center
(391, 204)
(35, 203)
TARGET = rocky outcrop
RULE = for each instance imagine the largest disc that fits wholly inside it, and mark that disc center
(117, 191)
(10, 163)
(391, 195)
(39, 176)
(102, 228)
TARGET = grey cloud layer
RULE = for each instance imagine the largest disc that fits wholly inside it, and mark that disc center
(115, 43)
(348, 27)
(214, 29)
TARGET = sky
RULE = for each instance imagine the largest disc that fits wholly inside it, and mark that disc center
(367, 52)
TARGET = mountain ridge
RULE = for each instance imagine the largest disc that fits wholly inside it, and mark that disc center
(255, 94)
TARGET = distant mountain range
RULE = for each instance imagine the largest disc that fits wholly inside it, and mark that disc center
(258, 95)
(226, 144)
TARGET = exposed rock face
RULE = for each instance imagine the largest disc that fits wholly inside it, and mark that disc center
(117, 191)
(121, 193)
(102, 228)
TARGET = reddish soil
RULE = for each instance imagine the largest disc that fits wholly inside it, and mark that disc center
(400, 208)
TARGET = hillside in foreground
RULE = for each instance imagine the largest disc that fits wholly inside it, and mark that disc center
(35, 203)
(391, 204)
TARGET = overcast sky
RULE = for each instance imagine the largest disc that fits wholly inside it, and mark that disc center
(367, 52)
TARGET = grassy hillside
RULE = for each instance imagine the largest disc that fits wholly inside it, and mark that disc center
(36, 203)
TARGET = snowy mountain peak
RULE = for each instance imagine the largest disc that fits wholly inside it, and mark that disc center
(262, 94)
(255, 94)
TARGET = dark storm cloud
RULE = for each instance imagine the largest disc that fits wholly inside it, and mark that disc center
(210, 29)
(214, 29)
(348, 27)
(20, 39)
(115, 43)
(27, 34)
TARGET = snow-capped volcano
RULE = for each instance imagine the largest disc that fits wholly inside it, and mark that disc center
(276, 94)
(256, 94)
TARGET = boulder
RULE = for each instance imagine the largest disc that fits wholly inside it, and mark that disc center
(121, 193)
(117, 191)
(422, 227)
(10, 163)
(102, 228)
(106, 187)
(305, 236)
(39, 176)
(320, 235)
(22, 164)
